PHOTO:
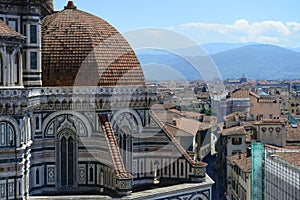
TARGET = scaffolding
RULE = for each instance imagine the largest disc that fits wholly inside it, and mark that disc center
(292, 120)
(257, 178)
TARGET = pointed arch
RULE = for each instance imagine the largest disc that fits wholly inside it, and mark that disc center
(80, 116)
(91, 173)
(66, 156)
(101, 177)
(15, 129)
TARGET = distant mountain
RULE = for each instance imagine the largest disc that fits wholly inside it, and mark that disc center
(256, 61)
(259, 61)
(213, 48)
(160, 65)
(295, 49)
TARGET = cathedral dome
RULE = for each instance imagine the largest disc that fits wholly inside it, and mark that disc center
(84, 50)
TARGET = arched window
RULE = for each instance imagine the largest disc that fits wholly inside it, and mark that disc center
(101, 177)
(7, 135)
(166, 168)
(91, 174)
(1, 70)
(125, 146)
(37, 177)
(151, 167)
(37, 123)
(71, 161)
(64, 105)
(182, 169)
(63, 162)
(174, 168)
(16, 71)
(142, 168)
(157, 168)
(71, 104)
(66, 154)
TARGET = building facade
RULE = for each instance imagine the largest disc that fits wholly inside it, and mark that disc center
(257, 107)
(241, 176)
(232, 141)
(271, 132)
(76, 115)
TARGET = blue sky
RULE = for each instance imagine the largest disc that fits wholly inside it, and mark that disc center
(264, 21)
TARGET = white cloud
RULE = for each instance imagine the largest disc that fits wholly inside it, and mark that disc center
(293, 26)
(265, 31)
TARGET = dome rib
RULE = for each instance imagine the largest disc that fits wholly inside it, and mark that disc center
(80, 49)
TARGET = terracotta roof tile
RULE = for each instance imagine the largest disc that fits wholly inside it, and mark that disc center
(237, 130)
(6, 31)
(293, 134)
(242, 161)
(291, 157)
(239, 93)
(113, 148)
(84, 50)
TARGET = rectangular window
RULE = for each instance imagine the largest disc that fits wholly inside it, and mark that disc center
(271, 116)
(33, 34)
(33, 60)
(25, 29)
(13, 24)
(236, 141)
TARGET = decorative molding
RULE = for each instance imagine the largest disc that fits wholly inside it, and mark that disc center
(50, 174)
(77, 122)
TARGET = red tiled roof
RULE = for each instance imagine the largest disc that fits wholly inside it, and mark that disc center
(239, 93)
(237, 130)
(162, 106)
(254, 94)
(186, 113)
(291, 157)
(6, 31)
(293, 134)
(83, 50)
(178, 132)
(273, 121)
(242, 161)
(113, 148)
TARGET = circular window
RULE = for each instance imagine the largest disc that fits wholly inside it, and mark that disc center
(271, 129)
(278, 129)
(263, 129)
